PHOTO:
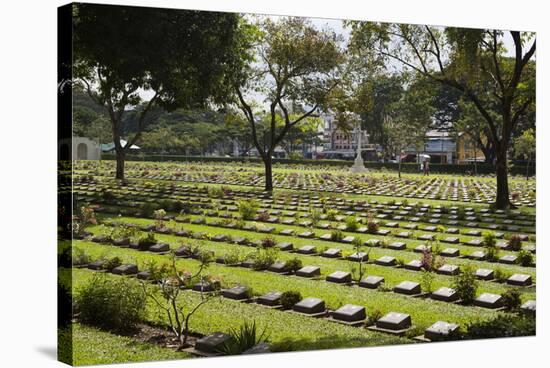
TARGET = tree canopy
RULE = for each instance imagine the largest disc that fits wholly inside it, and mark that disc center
(292, 69)
(179, 57)
(471, 61)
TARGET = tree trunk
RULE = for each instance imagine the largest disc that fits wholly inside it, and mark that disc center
(475, 160)
(503, 192)
(120, 156)
(527, 173)
(488, 152)
(399, 158)
(268, 172)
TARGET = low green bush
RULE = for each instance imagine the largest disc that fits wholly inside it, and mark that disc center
(336, 235)
(511, 299)
(293, 265)
(289, 298)
(351, 223)
(501, 275)
(264, 258)
(247, 208)
(525, 258)
(233, 257)
(116, 304)
(112, 263)
(465, 284)
(504, 325)
(148, 209)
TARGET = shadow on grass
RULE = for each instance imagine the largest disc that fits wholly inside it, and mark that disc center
(335, 342)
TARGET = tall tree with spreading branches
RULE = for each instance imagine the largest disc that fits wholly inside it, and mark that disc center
(472, 61)
(180, 58)
(294, 64)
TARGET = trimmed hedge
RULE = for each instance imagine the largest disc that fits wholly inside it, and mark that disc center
(482, 168)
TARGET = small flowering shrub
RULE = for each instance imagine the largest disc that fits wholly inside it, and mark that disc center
(159, 218)
(514, 243)
(372, 225)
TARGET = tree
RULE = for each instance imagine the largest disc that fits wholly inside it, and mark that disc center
(376, 95)
(168, 296)
(457, 115)
(294, 65)
(98, 129)
(164, 139)
(472, 61)
(305, 133)
(238, 130)
(525, 145)
(408, 119)
(180, 57)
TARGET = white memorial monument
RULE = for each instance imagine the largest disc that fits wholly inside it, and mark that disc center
(358, 166)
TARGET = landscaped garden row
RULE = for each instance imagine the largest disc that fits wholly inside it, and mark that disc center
(286, 330)
(429, 188)
(306, 219)
(318, 211)
(236, 247)
(290, 240)
(334, 298)
(319, 208)
(347, 233)
(230, 190)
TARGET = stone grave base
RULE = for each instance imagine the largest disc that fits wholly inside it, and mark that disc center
(314, 315)
(352, 324)
(199, 353)
(386, 330)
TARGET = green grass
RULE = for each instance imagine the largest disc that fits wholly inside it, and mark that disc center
(375, 253)
(91, 346)
(424, 312)
(287, 331)
(244, 169)
(305, 333)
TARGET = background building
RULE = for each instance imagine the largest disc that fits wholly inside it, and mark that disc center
(82, 149)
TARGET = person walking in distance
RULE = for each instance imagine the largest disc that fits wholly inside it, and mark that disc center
(426, 167)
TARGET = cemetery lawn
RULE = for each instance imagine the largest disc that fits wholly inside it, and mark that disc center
(201, 203)
(92, 346)
(285, 328)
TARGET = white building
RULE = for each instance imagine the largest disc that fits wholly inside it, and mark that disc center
(440, 146)
(82, 149)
